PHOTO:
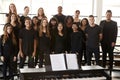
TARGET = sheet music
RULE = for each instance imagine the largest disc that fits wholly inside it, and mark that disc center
(72, 61)
(57, 62)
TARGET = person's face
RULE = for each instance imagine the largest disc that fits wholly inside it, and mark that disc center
(91, 20)
(40, 11)
(26, 10)
(53, 22)
(28, 23)
(84, 22)
(12, 8)
(9, 29)
(108, 15)
(60, 27)
(69, 20)
(35, 20)
(13, 17)
(59, 10)
(74, 27)
(44, 23)
(77, 14)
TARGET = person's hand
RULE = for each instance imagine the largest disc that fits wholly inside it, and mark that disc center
(15, 58)
(33, 54)
(2, 58)
(113, 44)
(21, 54)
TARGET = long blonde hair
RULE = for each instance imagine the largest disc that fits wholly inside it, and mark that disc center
(15, 10)
(41, 28)
(6, 36)
(43, 15)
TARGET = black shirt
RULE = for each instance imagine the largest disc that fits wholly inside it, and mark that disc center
(22, 20)
(76, 41)
(60, 18)
(109, 31)
(28, 37)
(44, 43)
(7, 49)
(93, 36)
(60, 43)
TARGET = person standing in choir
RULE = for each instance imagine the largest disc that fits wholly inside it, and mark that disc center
(12, 9)
(76, 42)
(60, 16)
(60, 39)
(94, 35)
(68, 25)
(53, 23)
(43, 41)
(25, 14)
(27, 44)
(76, 17)
(16, 28)
(84, 23)
(110, 30)
(35, 26)
(41, 15)
(8, 51)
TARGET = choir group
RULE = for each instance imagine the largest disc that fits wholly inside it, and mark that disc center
(35, 37)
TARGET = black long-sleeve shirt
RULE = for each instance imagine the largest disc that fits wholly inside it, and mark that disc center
(7, 49)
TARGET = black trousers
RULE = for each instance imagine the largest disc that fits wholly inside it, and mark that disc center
(89, 52)
(107, 49)
(31, 63)
(41, 56)
(9, 65)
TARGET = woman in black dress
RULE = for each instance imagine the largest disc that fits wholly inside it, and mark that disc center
(84, 23)
(43, 41)
(60, 39)
(76, 42)
(53, 23)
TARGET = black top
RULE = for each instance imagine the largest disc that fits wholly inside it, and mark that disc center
(7, 49)
(83, 39)
(22, 20)
(109, 31)
(28, 37)
(93, 36)
(52, 33)
(60, 43)
(60, 18)
(16, 30)
(76, 41)
(44, 43)
(69, 32)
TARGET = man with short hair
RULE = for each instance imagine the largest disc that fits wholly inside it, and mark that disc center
(60, 17)
(109, 28)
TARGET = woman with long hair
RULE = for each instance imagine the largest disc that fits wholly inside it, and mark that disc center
(12, 9)
(8, 50)
(60, 39)
(41, 14)
(53, 23)
(43, 40)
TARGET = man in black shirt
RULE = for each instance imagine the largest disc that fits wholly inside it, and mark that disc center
(94, 35)
(27, 44)
(109, 28)
(22, 18)
(60, 17)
